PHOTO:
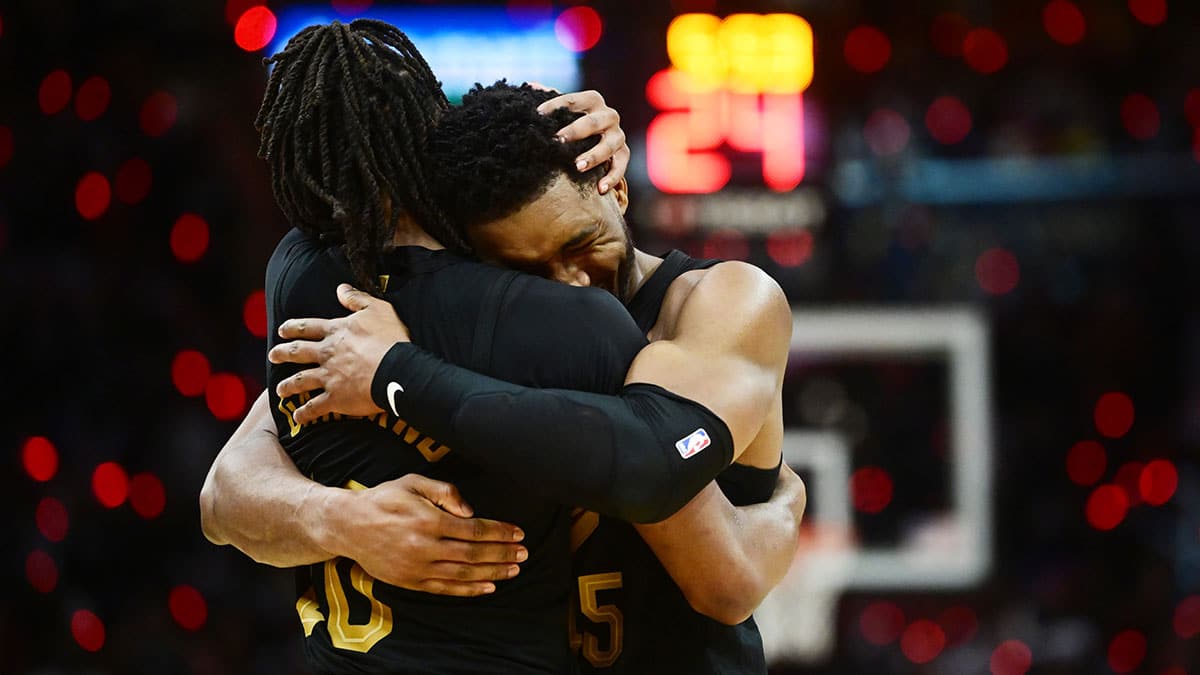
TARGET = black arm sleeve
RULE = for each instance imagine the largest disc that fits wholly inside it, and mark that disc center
(639, 456)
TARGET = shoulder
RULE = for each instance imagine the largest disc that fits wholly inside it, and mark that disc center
(733, 303)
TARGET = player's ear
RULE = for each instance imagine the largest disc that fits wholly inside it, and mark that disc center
(621, 192)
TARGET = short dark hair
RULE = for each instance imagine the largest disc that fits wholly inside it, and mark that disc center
(344, 122)
(495, 153)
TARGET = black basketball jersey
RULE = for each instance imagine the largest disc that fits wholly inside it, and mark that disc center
(508, 325)
(630, 617)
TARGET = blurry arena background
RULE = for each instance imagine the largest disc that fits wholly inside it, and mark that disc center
(986, 215)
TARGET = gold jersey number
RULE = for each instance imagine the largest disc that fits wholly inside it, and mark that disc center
(590, 586)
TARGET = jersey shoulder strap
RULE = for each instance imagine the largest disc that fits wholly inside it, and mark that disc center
(647, 302)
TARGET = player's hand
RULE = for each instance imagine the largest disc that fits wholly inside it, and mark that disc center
(347, 352)
(417, 533)
(598, 119)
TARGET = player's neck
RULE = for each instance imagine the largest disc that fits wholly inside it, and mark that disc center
(644, 265)
(408, 233)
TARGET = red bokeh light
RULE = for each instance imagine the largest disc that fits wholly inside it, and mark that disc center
(886, 132)
(351, 7)
(93, 98)
(92, 195)
(41, 571)
(922, 641)
(985, 51)
(55, 92)
(147, 496)
(225, 395)
(6, 146)
(1011, 657)
(1126, 651)
(1140, 116)
(997, 271)
(726, 245)
(189, 372)
(1191, 107)
(40, 458)
(948, 120)
(1187, 617)
(189, 238)
(158, 114)
(867, 49)
(1086, 461)
(254, 314)
(110, 484)
(51, 518)
(133, 180)
(1064, 22)
(88, 630)
(871, 488)
(1158, 481)
(790, 248)
(1174, 670)
(188, 607)
(255, 28)
(1114, 414)
(578, 28)
(234, 9)
(1107, 506)
(960, 624)
(1127, 478)
(881, 623)
(948, 32)
(1149, 12)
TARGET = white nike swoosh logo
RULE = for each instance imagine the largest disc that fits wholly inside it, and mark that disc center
(391, 394)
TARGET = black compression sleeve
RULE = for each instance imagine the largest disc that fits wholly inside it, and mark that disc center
(639, 456)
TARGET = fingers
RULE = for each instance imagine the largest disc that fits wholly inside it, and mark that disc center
(620, 162)
(352, 298)
(305, 380)
(474, 552)
(612, 142)
(305, 329)
(469, 589)
(444, 495)
(465, 572)
(297, 351)
(541, 87)
(579, 101)
(599, 121)
(480, 529)
(316, 408)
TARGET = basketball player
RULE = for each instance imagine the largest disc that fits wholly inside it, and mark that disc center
(719, 334)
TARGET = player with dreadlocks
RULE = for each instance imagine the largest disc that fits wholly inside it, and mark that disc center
(347, 112)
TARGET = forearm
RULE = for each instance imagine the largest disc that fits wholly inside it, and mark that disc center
(613, 454)
(257, 500)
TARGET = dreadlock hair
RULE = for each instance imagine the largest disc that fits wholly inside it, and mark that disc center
(343, 125)
(495, 153)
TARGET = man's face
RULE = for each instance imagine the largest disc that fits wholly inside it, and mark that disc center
(573, 236)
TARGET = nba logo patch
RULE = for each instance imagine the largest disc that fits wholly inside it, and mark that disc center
(693, 443)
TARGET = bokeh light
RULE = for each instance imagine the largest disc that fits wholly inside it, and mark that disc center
(529, 13)
(578, 28)
(1064, 22)
(947, 33)
(959, 623)
(886, 132)
(997, 271)
(1011, 657)
(1187, 617)
(55, 92)
(189, 372)
(254, 313)
(189, 238)
(188, 607)
(922, 641)
(1128, 477)
(158, 114)
(51, 519)
(1149, 12)
(351, 7)
(1086, 461)
(867, 49)
(871, 488)
(726, 245)
(92, 195)
(40, 458)
(234, 9)
(1157, 482)
(93, 98)
(41, 571)
(881, 623)
(133, 180)
(147, 496)
(790, 248)
(6, 146)
(110, 484)
(1140, 116)
(1126, 651)
(225, 396)
(985, 51)
(948, 120)
(1106, 507)
(1114, 414)
(88, 630)
(255, 28)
